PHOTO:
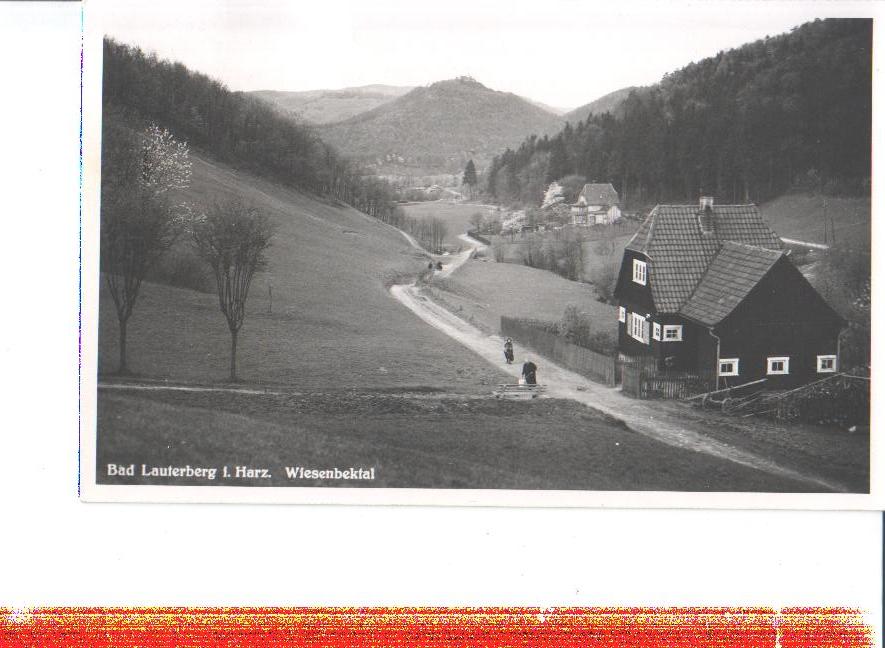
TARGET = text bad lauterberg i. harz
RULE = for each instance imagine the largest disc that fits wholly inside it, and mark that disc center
(238, 472)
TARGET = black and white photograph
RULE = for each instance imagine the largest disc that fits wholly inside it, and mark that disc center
(553, 253)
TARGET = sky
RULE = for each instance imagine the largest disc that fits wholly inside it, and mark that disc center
(562, 52)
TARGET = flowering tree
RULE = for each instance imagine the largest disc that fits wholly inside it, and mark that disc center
(139, 222)
(165, 162)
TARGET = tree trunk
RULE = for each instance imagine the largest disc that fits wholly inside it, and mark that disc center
(233, 355)
(123, 368)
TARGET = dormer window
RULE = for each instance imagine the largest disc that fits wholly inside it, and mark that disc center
(640, 272)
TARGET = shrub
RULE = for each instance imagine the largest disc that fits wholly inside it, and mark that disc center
(576, 326)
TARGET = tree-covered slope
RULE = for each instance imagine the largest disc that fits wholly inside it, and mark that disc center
(610, 102)
(233, 127)
(744, 125)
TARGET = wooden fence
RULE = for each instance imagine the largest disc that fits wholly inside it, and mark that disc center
(593, 365)
(478, 237)
(641, 378)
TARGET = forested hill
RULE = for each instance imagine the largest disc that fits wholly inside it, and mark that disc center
(744, 125)
(439, 127)
(233, 127)
(610, 102)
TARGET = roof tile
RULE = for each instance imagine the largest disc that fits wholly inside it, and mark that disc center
(679, 254)
(730, 277)
(599, 194)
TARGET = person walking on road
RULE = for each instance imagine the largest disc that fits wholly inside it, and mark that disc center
(508, 351)
(529, 372)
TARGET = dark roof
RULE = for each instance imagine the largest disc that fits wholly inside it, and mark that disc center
(732, 274)
(679, 254)
(599, 194)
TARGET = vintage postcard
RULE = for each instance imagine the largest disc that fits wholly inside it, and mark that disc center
(556, 254)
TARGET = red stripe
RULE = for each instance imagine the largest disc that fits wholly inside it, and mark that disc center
(436, 627)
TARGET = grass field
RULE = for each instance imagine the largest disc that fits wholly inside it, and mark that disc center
(602, 254)
(455, 215)
(333, 321)
(483, 291)
(414, 441)
(802, 217)
(597, 253)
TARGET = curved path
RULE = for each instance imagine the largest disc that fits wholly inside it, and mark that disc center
(640, 416)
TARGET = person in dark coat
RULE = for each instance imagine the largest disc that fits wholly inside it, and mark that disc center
(439, 265)
(508, 351)
(529, 372)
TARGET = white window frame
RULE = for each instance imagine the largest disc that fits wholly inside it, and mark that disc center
(638, 322)
(640, 272)
(670, 328)
(821, 359)
(656, 331)
(735, 370)
(772, 359)
(622, 314)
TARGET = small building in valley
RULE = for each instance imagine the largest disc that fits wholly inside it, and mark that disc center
(710, 289)
(597, 204)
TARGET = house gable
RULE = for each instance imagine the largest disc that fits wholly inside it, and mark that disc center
(732, 274)
(783, 316)
(629, 292)
(784, 295)
(598, 194)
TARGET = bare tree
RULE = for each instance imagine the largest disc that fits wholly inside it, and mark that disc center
(138, 221)
(438, 232)
(233, 239)
(136, 229)
(477, 219)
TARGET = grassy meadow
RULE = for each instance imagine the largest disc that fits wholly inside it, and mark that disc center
(455, 215)
(483, 291)
(802, 216)
(421, 442)
(332, 320)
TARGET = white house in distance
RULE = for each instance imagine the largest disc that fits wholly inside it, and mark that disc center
(597, 204)
(553, 195)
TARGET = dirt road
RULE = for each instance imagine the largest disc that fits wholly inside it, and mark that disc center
(640, 416)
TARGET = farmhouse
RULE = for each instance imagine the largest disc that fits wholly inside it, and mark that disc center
(597, 204)
(709, 289)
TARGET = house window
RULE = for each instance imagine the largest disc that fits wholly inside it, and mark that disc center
(640, 272)
(673, 333)
(826, 364)
(728, 366)
(638, 328)
(778, 365)
(622, 314)
(656, 331)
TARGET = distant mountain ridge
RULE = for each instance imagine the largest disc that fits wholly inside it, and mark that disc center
(439, 127)
(325, 106)
(610, 102)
